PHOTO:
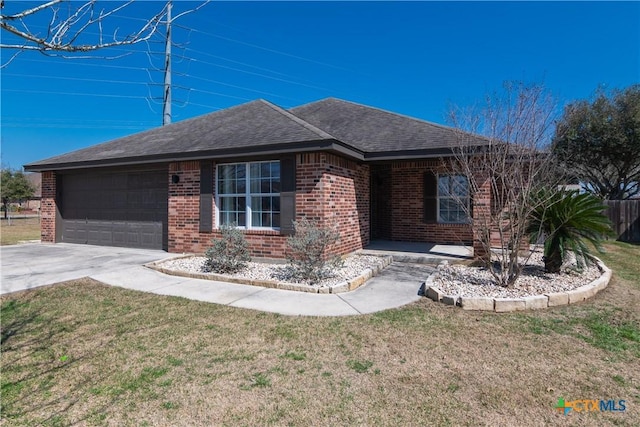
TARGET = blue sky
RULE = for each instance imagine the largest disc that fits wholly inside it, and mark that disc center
(414, 58)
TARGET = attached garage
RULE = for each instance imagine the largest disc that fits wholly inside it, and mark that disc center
(126, 208)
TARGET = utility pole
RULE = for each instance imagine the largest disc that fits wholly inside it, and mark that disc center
(166, 104)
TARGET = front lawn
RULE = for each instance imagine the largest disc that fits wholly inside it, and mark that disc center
(18, 230)
(86, 353)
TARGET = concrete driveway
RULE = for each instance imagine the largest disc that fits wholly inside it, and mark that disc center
(31, 265)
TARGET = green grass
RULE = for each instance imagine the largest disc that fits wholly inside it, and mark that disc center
(82, 353)
(21, 229)
(360, 366)
(602, 328)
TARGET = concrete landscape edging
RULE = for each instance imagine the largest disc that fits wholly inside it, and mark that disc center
(533, 302)
(345, 286)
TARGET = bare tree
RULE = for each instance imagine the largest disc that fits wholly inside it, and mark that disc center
(76, 28)
(507, 164)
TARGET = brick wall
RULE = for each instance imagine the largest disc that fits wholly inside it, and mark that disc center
(481, 216)
(329, 189)
(407, 207)
(48, 207)
(335, 191)
(184, 209)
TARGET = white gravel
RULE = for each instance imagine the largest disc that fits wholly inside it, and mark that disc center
(476, 281)
(352, 267)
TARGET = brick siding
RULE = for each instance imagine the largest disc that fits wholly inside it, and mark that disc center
(48, 208)
(329, 189)
(407, 207)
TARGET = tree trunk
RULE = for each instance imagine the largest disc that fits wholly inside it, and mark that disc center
(553, 261)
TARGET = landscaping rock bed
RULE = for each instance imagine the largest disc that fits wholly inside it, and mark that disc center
(474, 288)
(356, 270)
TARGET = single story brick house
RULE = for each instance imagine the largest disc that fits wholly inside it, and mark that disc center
(373, 173)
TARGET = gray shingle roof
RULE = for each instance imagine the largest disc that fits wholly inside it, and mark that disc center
(254, 125)
(376, 131)
(261, 127)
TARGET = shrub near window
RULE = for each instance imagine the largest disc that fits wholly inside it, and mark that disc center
(230, 253)
(306, 251)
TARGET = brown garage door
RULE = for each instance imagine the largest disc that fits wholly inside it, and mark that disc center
(114, 208)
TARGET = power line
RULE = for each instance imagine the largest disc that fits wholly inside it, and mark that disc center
(244, 63)
(264, 75)
(279, 52)
(238, 87)
(75, 79)
(75, 63)
(75, 93)
(72, 126)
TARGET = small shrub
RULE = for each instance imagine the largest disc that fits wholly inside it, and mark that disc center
(228, 254)
(307, 251)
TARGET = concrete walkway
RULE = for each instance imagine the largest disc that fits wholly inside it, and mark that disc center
(34, 265)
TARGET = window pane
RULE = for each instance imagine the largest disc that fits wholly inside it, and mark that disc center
(265, 170)
(266, 203)
(275, 220)
(275, 170)
(224, 186)
(225, 204)
(224, 218)
(255, 219)
(264, 178)
(265, 186)
(443, 185)
(255, 185)
(254, 170)
(453, 197)
(460, 186)
(266, 219)
(226, 172)
(241, 171)
(241, 185)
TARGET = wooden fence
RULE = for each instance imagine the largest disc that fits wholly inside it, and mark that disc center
(625, 217)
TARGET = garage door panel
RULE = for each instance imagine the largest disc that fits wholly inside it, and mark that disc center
(127, 209)
(74, 231)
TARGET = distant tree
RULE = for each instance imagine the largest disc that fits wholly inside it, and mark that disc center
(598, 143)
(14, 187)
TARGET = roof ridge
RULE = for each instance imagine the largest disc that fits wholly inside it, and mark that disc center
(379, 109)
(298, 120)
(316, 102)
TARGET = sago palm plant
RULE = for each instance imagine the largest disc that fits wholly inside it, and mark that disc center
(568, 221)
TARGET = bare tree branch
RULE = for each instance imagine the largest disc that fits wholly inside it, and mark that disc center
(63, 33)
(507, 166)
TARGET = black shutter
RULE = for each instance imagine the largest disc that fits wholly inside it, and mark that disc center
(430, 193)
(287, 194)
(206, 196)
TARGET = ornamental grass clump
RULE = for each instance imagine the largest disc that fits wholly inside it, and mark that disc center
(307, 251)
(230, 253)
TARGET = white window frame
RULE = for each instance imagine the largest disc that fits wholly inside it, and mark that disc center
(247, 195)
(466, 220)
